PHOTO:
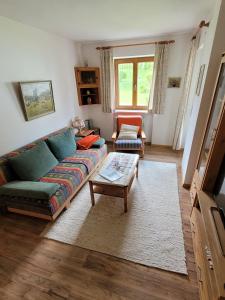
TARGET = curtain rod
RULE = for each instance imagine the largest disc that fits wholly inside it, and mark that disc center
(140, 44)
(202, 24)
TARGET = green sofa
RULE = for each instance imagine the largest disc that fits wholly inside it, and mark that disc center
(40, 179)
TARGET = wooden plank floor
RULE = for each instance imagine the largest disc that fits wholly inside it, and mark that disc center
(36, 268)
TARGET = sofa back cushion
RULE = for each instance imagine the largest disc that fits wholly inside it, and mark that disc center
(62, 145)
(7, 174)
(34, 163)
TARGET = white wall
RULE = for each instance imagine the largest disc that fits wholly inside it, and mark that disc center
(195, 75)
(29, 54)
(163, 126)
(214, 46)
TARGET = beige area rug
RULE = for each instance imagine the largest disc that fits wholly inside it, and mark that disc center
(150, 233)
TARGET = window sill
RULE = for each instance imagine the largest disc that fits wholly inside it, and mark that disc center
(142, 111)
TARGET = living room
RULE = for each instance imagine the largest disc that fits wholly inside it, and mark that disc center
(112, 149)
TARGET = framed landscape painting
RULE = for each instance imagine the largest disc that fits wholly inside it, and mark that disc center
(37, 98)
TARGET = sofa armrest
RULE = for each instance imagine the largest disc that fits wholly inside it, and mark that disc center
(114, 135)
(143, 136)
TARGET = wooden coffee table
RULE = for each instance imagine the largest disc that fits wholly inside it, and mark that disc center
(126, 164)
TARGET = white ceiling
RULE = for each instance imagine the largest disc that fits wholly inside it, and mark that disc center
(89, 20)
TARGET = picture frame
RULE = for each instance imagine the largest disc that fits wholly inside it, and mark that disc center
(174, 82)
(200, 77)
(37, 98)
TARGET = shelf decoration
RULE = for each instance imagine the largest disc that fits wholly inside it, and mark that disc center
(88, 85)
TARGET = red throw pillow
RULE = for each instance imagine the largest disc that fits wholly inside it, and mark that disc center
(87, 141)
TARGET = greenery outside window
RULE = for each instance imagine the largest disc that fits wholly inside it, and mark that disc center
(133, 78)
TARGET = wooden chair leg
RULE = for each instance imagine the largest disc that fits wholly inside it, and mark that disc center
(142, 153)
(114, 147)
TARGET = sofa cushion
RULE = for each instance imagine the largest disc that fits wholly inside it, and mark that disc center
(71, 172)
(89, 157)
(34, 163)
(99, 143)
(6, 172)
(29, 189)
(69, 176)
(128, 144)
(63, 144)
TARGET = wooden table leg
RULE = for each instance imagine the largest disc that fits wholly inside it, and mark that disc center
(92, 193)
(137, 169)
(125, 198)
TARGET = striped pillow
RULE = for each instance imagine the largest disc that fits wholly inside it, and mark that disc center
(129, 128)
(127, 135)
(128, 132)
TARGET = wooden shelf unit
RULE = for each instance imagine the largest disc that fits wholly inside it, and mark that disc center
(208, 230)
(88, 85)
(209, 241)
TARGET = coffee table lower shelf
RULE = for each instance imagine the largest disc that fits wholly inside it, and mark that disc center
(111, 190)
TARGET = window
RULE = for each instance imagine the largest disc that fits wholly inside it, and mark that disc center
(133, 77)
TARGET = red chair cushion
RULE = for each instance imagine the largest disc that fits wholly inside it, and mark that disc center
(129, 120)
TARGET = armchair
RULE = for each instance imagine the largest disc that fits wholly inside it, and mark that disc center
(129, 145)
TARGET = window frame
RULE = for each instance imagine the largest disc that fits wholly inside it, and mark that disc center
(135, 61)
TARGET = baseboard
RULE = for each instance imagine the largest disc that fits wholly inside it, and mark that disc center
(162, 146)
(169, 147)
(148, 143)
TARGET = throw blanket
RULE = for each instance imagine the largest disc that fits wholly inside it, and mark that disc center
(87, 142)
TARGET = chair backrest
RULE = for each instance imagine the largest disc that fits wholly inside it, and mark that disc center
(129, 120)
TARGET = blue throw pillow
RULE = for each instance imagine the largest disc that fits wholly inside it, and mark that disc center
(63, 144)
(99, 143)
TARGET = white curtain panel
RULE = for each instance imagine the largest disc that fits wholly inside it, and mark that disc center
(106, 58)
(159, 82)
(185, 94)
